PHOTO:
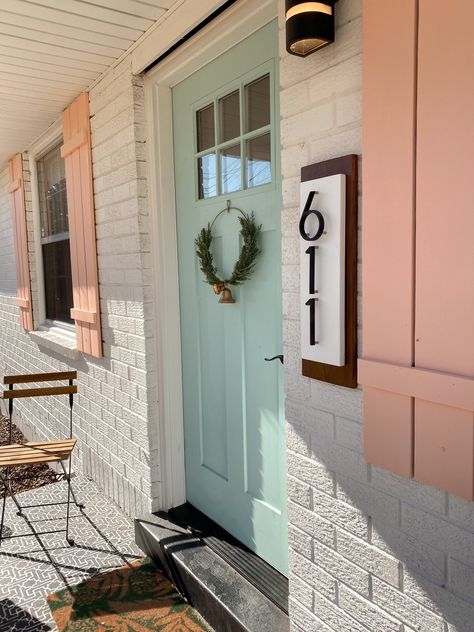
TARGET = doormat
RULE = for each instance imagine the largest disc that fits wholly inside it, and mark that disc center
(134, 598)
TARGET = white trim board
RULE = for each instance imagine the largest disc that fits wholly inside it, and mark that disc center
(177, 22)
(227, 30)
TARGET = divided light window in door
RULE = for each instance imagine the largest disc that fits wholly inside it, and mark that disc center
(233, 140)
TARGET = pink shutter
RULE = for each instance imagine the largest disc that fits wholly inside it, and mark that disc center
(388, 216)
(17, 193)
(418, 257)
(444, 332)
(76, 152)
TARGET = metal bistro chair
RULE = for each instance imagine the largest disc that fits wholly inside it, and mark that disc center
(32, 453)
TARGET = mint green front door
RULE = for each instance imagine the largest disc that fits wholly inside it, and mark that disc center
(226, 147)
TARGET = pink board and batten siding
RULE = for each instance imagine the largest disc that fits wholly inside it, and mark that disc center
(418, 250)
(388, 215)
(17, 193)
(76, 152)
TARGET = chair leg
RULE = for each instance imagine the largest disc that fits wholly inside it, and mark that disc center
(68, 478)
(69, 540)
(4, 502)
(18, 506)
(6, 484)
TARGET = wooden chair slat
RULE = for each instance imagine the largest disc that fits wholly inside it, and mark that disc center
(27, 448)
(4, 454)
(35, 461)
(32, 458)
(31, 445)
(37, 452)
(40, 377)
(53, 443)
(39, 392)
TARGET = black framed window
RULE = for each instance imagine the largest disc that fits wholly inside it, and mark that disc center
(55, 236)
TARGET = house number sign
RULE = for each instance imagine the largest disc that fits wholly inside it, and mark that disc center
(322, 241)
(327, 230)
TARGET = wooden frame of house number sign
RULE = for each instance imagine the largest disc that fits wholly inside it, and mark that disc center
(328, 270)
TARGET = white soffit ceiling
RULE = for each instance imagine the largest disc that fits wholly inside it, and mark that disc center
(51, 50)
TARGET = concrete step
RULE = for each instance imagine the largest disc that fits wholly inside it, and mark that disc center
(226, 600)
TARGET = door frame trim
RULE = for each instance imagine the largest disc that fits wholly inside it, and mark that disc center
(228, 29)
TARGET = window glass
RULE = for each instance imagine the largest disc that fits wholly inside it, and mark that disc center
(207, 180)
(55, 236)
(57, 280)
(231, 169)
(52, 191)
(229, 116)
(206, 135)
(257, 104)
(259, 161)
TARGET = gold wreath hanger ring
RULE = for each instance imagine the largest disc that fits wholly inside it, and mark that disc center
(227, 209)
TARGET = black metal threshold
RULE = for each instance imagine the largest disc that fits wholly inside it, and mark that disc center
(259, 573)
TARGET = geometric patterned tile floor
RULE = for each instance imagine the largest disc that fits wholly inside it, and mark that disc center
(104, 539)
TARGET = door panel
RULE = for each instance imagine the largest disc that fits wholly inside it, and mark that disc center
(226, 144)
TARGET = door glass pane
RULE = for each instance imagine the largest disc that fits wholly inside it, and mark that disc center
(229, 116)
(257, 104)
(206, 136)
(207, 176)
(259, 161)
(231, 166)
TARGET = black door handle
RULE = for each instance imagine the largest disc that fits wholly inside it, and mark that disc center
(277, 357)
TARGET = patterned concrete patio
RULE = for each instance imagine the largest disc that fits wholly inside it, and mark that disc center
(29, 572)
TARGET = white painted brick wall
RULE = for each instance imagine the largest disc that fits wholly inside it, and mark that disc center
(368, 550)
(116, 422)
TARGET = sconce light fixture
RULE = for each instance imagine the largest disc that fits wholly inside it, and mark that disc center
(309, 26)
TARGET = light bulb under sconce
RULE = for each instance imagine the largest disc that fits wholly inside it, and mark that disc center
(309, 26)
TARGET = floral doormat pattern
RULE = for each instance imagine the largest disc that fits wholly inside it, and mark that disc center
(134, 598)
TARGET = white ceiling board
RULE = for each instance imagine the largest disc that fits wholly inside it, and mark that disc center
(58, 39)
(9, 107)
(40, 86)
(27, 120)
(56, 51)
(33, 66)
(97, 12)
(59, 17)
(56, 61)
(51, 50)
(24, 96)
(7, 69)
(150, 10)
(81, 34)
(8, 101)
(29, 129)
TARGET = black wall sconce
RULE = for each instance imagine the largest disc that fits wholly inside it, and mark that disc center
(309, 26)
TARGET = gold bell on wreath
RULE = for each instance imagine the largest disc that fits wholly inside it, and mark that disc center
(218, 288)
(226, 296)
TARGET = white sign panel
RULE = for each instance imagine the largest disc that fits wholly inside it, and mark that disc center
(322, 269)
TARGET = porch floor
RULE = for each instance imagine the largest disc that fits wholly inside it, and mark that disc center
(28, 573)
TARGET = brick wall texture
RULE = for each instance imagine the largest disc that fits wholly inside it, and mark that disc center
(115, 411)
(369, 551)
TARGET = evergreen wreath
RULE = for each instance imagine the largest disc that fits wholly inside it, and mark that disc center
(245, 264)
